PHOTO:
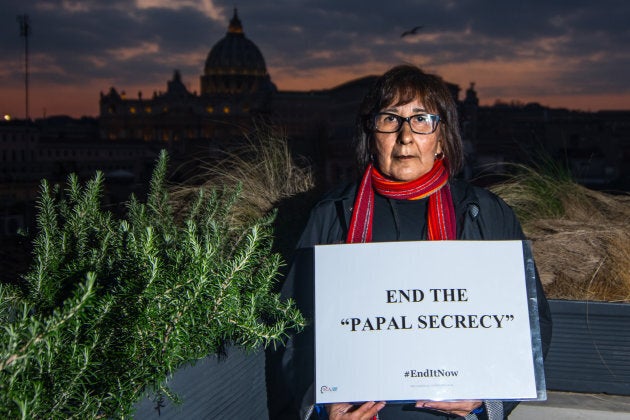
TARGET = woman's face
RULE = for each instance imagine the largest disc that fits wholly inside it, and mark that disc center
(405, 155)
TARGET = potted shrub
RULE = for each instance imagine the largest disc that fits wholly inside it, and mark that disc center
(111, 307)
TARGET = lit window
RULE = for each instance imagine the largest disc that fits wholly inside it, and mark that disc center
(226, 109)
(132, 109)
(210, 109)
(147, 109)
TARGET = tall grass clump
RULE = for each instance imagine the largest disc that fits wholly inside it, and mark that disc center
(581, 237)
(263, 168)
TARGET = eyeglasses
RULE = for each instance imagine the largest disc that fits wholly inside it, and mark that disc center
(424, 123)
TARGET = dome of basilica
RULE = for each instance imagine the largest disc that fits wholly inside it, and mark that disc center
(234, 64)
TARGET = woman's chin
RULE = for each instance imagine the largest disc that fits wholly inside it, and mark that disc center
(406, 175)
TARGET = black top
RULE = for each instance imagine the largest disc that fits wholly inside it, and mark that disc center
(399, 220)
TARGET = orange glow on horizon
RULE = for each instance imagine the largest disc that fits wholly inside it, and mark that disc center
(493, 81)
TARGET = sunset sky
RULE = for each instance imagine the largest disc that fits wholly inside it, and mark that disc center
(570, 53)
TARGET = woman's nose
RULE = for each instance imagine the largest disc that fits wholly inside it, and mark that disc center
(405, 135)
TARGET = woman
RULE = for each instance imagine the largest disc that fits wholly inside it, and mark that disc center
(408, 150)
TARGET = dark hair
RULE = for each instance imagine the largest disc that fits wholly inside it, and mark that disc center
(400, 85)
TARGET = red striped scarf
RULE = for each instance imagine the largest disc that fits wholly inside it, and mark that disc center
(434, 184)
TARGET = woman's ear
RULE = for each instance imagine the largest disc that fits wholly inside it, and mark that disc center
(439, 154)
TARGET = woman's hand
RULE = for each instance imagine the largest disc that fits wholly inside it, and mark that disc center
(345, 411)
(459, 408)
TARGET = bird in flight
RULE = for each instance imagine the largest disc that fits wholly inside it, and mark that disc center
(413, 31)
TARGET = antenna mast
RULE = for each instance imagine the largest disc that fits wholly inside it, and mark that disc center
(25, 31)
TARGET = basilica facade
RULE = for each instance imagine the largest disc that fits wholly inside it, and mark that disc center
(235, 87)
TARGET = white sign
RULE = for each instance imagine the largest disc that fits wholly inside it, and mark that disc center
(430, 320)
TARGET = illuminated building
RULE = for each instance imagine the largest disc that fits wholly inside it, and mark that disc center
(235, 89)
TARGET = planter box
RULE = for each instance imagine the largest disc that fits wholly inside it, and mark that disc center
(228, 388)
(590, 353)
(590, 348)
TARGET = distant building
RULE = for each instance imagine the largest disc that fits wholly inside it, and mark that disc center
(235, 89)
(593, 146)
(54, 147)
(236, 93)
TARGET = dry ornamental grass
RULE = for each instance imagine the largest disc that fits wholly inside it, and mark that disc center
(264, 170)
(581, 238)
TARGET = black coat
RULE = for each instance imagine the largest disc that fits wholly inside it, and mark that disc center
(480, 215)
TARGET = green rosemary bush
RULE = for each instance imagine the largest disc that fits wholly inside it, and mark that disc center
(109, 308)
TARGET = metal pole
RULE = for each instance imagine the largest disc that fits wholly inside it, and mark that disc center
(25, 30)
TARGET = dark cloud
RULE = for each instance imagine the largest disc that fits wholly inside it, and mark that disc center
(113, 41)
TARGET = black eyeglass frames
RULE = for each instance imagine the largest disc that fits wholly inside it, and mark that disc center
(424, 123)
